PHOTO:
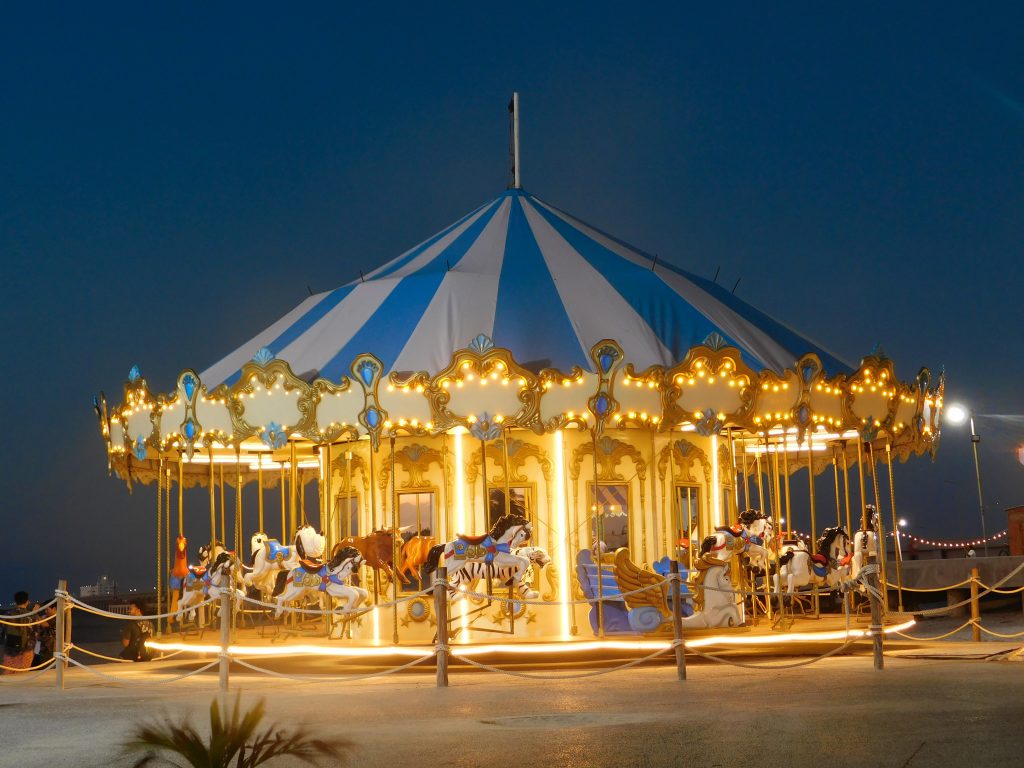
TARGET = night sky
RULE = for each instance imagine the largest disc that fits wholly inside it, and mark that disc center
(173, 180)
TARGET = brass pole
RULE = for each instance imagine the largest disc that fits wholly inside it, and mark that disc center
(643, 517)
(483, 480)
(761, 500)
(735, 510)
(846, 488)
(394, 543)
(159, 527)
(654, 495)
(504, 456)
(760, 484)
(785, 471)
(880, 533)
(213, 510)
(223, 526)
(284, 507)
(895, 529)
(835, 473)
(293, 487)
(574, 629)
(167, 530)
(373, 514)
(863, 495)
(746, 489)
(181, 495)
(447, 533)
(814, 518)
(351, 493)
(596, 509)
(328, 498)
(238, 500)
(259, 484)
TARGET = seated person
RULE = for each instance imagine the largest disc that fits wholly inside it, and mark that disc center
(135, 635)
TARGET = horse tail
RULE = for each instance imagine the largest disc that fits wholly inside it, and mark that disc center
(433, 559)
(279, 582)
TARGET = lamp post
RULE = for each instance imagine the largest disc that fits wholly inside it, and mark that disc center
(958, 414)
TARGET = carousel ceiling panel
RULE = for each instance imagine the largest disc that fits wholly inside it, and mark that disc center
(564, 395)
(271, 405)
(637, 395)
(826, 402)
(340, 409)
(214, 416)
(777, 397)
(408, 403)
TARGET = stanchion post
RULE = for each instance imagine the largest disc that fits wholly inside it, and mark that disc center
(677, 620)
(975, 606)
(441, 611)
(60, 642)
(225, 636)
(875, 631)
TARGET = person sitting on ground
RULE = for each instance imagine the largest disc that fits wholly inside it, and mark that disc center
(135, 634)
(19, 641)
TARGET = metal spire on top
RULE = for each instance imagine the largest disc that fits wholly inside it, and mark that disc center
(513, 111)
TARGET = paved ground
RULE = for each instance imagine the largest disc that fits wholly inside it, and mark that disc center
(838, 712)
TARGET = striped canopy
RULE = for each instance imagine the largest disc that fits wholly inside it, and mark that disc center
(540, 283)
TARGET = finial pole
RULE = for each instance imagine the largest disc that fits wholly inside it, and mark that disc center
(513, 108)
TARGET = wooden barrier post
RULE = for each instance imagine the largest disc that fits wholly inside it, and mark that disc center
(441, 611)
(975, 606)
(225, 635)
(677, 620)
(59, 641)
(874, 587)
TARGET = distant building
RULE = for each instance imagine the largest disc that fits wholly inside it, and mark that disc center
(104, 587)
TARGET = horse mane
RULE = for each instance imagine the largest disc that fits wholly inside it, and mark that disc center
(341, 555)
(828, 536)
(503, 523)
(707, 544)
(750, 516)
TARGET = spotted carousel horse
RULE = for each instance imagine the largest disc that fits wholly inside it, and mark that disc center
(329, 579)
(494, 550)
(476, 570)
(205, 582)
(270, 558)
(748, 537)
(828, 568)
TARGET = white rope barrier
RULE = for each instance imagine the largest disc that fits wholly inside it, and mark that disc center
(11, 618)
(128, 617)
(127, 681)
(20, 677)
(330, 679)
(806, 662)
(595, 673)
(337, 612)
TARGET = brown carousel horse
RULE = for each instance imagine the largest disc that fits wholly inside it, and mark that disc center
(415, 553)
(378, 551)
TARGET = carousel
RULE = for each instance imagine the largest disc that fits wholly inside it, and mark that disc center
(549, 413)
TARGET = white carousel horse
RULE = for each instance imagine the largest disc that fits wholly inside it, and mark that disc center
(205, 583)
(713, 596)
(327, 578)
(829, 568)
(476, 570)
(270, 557)
(495, 549)
(865, 543)
(749, 537)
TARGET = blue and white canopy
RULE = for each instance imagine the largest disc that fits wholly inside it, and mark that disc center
(540, 283)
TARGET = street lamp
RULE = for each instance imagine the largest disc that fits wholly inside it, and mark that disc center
(957, 414)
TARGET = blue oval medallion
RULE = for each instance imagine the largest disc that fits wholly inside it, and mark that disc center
(606, 359)
(189, 383)
(373, 418)
(190, 429)
(366, 371)
(601, 404)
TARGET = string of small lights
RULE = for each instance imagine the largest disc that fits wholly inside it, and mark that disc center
(928, 542)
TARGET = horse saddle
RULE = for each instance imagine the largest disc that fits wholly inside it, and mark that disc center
(277, 552)
(473, 539)
(477, 548)
(313, 566)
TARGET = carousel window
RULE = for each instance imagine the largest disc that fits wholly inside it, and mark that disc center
(686, 514)
(416, 519)
(521, 500)
(610, 516)
(346, 515)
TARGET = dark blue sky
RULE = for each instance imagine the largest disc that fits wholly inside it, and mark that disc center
(172, 180)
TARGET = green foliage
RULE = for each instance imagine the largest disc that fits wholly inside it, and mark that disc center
(236, 741)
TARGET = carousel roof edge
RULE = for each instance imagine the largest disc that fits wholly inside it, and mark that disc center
(485, 391)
